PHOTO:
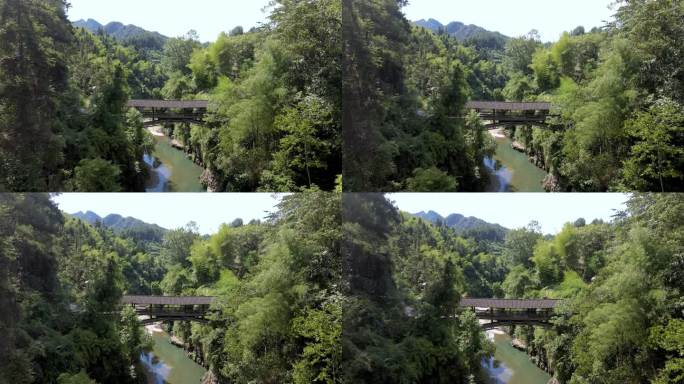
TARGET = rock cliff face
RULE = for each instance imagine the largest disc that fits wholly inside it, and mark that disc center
(211, 181)
(551, 183)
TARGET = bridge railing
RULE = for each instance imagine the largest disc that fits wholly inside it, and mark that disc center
(186, 308)
(171, 313)
(514, 315)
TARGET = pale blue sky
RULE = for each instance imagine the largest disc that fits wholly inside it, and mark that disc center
(515, 17)
(175, 17)
(174, 210)
(515, 210)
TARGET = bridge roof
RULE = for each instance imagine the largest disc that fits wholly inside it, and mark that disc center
(502, 105)
(509, 303)
(167, 300)
(201, 104)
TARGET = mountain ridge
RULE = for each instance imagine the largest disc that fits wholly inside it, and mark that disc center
(470, 227)
(457, 29)
(126, 33)
(114, 221)
(454, 220)
(483, 40)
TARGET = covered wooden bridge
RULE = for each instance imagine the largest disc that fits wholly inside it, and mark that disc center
(156, 112)
(502, 312)
(170, 308)
(506, 114)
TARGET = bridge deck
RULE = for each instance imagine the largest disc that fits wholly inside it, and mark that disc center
(167, 300)
(509, 303)
(508, 106)
(169, 104)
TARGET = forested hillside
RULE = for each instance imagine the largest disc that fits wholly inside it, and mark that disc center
(616, 93)
(299, 300)
(466, 33)
(404, 279)
(277, 315)
(457, 221)
(619, 95)
(621, 321)
(274, 93)
(275, 96)
(146, 236)
(403, 87)
(127, 34)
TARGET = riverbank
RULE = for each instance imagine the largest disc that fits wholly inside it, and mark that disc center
(497, 133)
(500, 133)
(151, 329)
(157, 131)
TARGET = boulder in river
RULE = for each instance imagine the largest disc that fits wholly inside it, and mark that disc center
(518, 146)
(518, 344)
(177, 342)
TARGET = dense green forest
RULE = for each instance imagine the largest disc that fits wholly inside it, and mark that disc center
(403, 284)
(621, 322)
(274, 96)
(616, 91)
(277, 317)
(351, 290)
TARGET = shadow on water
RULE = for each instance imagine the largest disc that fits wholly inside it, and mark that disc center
(499, 176)
(157, 371)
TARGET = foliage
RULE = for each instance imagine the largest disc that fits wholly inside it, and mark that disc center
(431, 180)
(33, 76)
(622, 311)
(96, 175)
(276, 127)
(657, 154)
(621, 283)
(615, 91)
(56, 326)
(404, 96)
(403, 287)
(275, 101)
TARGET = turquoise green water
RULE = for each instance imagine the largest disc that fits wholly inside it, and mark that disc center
(174, 171)
(512, 171)
(510, 366)
(168, 364)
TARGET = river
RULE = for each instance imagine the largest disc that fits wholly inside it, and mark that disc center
(511, 170)
(172, 171)
(509, 365)
(168, 364)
